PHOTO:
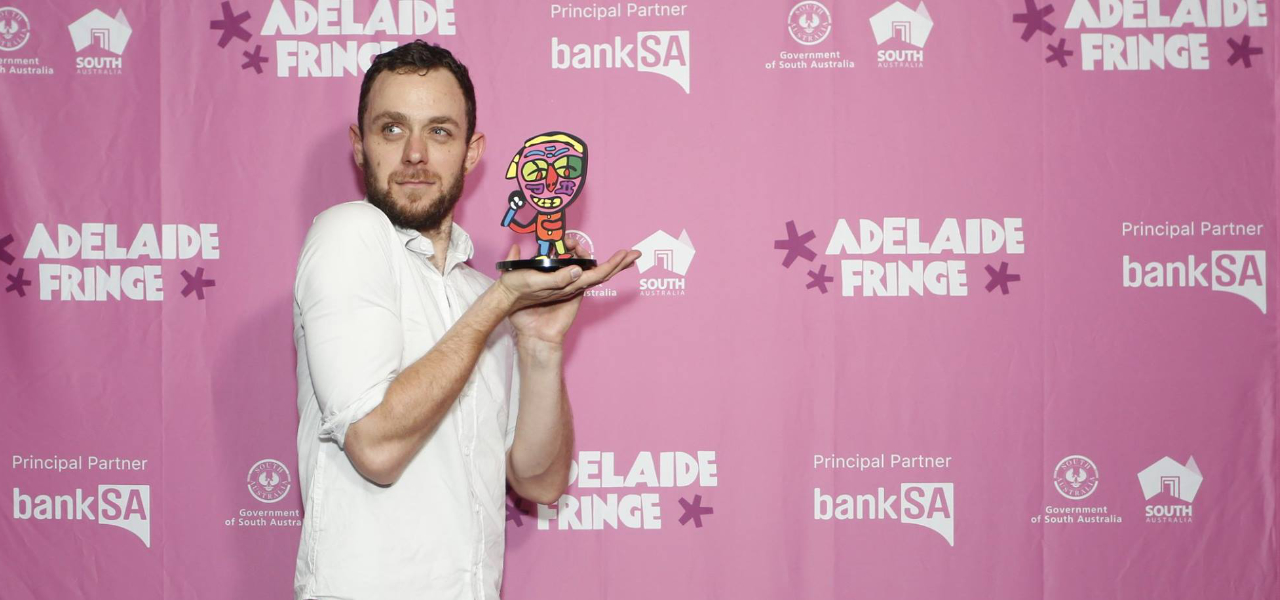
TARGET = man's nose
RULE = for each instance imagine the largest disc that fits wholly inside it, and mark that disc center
(552, 178)
(415, 150)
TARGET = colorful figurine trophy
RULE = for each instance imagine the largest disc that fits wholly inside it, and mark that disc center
(550, 169)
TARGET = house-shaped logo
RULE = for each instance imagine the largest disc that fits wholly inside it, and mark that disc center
(1168, 475)
(672, 254)
(98, 29)
(900, 22)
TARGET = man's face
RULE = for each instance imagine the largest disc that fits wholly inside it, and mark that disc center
(413, 152)
(551, 174)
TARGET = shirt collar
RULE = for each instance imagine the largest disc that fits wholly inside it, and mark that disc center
(460, 247)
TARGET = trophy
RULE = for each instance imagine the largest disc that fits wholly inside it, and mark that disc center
(550, 170)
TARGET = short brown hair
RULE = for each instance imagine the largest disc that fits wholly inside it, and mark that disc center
(419, 56)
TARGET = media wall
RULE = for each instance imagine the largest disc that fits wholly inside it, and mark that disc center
(970, 300)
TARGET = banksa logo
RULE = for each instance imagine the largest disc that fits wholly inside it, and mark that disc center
(930, 505)
(124, 506)
(663, 52)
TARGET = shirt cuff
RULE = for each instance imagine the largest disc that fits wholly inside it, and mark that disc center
(334, 425)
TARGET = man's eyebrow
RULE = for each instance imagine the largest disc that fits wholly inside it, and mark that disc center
(389, 115)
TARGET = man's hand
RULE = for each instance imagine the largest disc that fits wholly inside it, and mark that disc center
(545, 304)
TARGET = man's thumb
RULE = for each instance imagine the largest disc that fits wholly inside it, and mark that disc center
(571, 275)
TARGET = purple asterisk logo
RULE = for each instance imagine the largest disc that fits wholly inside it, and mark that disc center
(796, 245)
(1034, 20)
(694, 510)
(231, 24)
(1059, 52)
(18, 283)
(196, 283)
(4, 254)
(1001, 278)
(820, 279)
(255, 59)
(1242, 51)
(513, 514)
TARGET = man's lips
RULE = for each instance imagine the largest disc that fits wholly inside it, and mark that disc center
(412, 182)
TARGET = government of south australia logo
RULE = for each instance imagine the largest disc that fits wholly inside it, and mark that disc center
(1075, 477)
(809, 22)
(269, 480)
(904, 27)
(97, 32)
(673, 255)
(15, 29)
(1173, 486)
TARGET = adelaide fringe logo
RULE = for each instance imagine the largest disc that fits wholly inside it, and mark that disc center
(91, 262)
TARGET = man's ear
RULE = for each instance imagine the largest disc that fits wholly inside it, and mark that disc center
(474, 150)
(357, 145)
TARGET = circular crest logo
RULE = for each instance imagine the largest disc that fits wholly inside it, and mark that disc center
(809, 22)
(269, 480)
(15, 29)
(1075, 477)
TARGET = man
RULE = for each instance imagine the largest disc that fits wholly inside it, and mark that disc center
(412, 366)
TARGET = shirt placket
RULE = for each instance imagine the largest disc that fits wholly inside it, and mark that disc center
(468, 427)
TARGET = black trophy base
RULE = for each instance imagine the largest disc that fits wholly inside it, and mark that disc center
(546, 265)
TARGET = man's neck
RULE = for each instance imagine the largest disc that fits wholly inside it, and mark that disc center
(440, 237)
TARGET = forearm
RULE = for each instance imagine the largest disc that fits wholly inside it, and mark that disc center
(538, 464)
(382, 443)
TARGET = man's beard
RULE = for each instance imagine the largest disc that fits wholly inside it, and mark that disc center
(426, 220)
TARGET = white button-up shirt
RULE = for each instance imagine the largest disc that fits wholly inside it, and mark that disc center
(367, 304)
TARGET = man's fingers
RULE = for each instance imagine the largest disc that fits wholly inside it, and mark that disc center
(514, 252)
(542, 288)
(619, 261)
(568, 282)
(624, 259)
(554, 282)
(601, 273)
(569, 275)
(629, 257)
(611, 266)
(603, 270)
(575, 248)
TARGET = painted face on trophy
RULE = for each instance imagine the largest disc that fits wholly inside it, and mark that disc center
(550, 171)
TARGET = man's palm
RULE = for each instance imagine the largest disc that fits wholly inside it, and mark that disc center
(548, 322)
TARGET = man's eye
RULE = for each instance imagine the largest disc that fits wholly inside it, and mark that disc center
(440, 131)
(391, 129)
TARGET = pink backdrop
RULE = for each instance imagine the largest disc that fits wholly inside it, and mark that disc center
(749, 358)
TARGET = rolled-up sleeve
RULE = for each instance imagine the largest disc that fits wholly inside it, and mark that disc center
(347, 295)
